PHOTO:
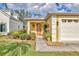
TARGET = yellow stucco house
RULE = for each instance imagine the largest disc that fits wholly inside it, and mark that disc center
(63, 26)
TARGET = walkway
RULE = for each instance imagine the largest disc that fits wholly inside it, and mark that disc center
(41, 46)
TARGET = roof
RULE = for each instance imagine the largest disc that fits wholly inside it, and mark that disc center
(50, 14)
(64, 14)
(34, 19)
(9, 16)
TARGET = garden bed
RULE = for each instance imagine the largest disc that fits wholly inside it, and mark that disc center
(50, 43)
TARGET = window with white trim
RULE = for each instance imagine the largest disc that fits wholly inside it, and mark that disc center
(3, 27)
(70, 20)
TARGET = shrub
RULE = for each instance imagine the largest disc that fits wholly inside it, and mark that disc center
(23, 36)
(47, 35)
(1, 35)
(19, 34)
(45, 26)
(22, 31)
(28, 37)
(33, 36)
(15, 35)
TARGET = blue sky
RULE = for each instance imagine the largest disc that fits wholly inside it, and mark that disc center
(43, 8)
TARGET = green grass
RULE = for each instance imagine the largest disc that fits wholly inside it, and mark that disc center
(54, 54)
(24, 49)
(14, 49)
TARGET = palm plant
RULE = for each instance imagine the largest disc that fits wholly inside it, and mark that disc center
(14, 49)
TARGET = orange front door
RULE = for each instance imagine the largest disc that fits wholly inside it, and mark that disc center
(38, 28)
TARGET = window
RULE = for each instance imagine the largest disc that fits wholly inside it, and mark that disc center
(75, 20)
(18, 26)
(2, 27)
(69, 20)
(63, 20)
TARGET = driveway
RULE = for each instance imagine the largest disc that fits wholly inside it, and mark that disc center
(41, 46)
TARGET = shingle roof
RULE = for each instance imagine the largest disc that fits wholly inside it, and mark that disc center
(9, 16)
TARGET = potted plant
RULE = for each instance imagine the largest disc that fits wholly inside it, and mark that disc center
(47, 36)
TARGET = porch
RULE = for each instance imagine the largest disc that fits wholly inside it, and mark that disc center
(35, 27)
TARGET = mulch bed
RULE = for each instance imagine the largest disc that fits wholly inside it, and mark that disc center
(50, 43)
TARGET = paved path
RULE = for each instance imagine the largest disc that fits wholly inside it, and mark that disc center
(41, 46)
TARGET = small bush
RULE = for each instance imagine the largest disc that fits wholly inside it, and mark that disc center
(22, 31)
(47, 35)
(33, 36)
(1, 35)
(18, 34)
(28, 37)
(15, 35)
(23, 36)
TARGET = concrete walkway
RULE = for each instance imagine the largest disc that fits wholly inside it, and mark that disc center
(41, 46)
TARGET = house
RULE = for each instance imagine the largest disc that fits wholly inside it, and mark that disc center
(35, 25)
(8, 23)
(64, 26)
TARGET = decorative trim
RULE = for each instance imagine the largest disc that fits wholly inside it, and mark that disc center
(57, 30)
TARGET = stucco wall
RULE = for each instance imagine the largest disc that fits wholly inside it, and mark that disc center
(53, 20)
(67, 31)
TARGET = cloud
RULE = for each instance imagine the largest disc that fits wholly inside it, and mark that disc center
(17, 5)
(44, 8)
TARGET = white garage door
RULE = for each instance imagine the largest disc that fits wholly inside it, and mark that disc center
(69, 29)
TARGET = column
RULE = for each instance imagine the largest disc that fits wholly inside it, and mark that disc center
(57, 30)
(28, 27)
(54, 30)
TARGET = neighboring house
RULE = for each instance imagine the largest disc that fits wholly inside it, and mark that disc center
(9, 23)
(64, 26)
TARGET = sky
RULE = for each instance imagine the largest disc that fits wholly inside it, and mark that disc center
(43, 8)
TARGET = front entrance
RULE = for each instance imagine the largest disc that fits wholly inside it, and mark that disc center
(39, 29)
(36, 27)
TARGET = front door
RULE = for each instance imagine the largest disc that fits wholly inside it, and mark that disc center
(39, 29)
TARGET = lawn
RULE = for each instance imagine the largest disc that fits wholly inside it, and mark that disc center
(25, 49)
(16, 47)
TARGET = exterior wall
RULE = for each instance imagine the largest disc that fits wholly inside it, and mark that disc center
(4, 19)
(28, 27)
(15, 25)
(53, 20)
(66, 31)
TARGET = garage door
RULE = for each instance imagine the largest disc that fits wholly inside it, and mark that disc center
(69, 29)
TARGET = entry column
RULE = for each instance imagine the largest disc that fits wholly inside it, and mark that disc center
(28, 27)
